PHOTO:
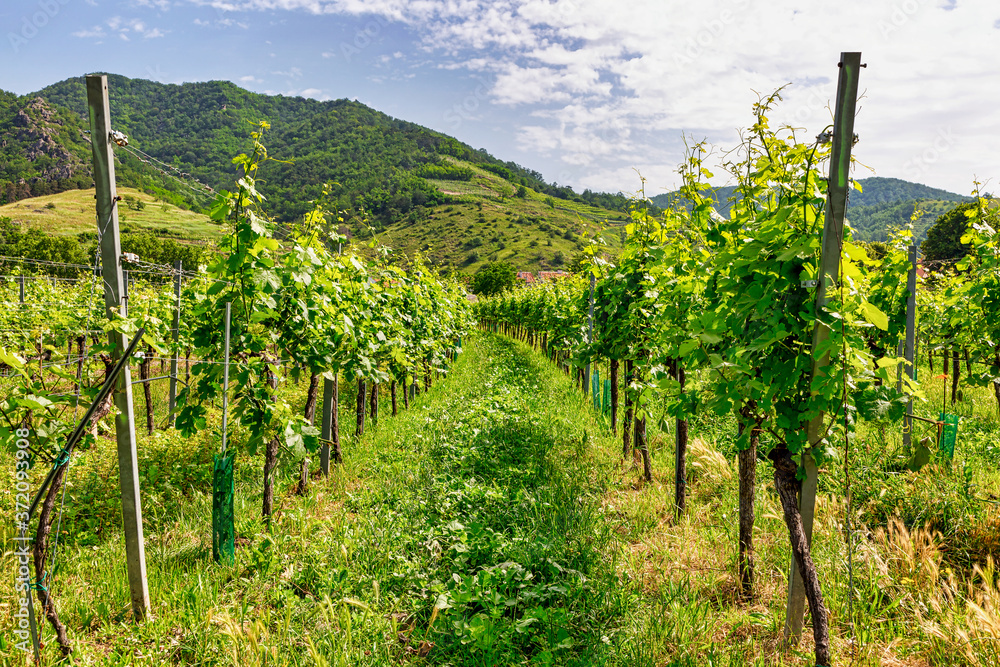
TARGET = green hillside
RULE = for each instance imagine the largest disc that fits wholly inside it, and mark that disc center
(413, 188)
(373, 157)
(390, 178)
(488, 221)
(71, 213)
(878, 190)
(873, 222)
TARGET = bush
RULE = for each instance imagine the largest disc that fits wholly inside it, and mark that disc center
(494, 278)
(445, 172)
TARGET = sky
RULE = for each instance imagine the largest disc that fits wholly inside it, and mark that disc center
(591, 93)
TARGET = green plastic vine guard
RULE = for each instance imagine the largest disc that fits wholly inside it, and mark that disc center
(595, 389)
(607, 397)
(949, 435)
(223, 519)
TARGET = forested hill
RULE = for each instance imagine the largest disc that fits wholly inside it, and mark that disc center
(882, 204)
(878, 190)
(378, 162)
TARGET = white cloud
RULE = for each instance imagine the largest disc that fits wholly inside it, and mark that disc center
(162, 5)
(577, 70)
(292, 73)
(125, 29)
(222, 23)
(97, 32)
(249, 78)
(314, 93)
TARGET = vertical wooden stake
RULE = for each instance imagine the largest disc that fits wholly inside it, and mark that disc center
(909, 347)
(680, 451)
(175, 355)
(114, 297)
(331, 429)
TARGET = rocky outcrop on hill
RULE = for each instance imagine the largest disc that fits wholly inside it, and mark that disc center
(35, 127)
(41, 151)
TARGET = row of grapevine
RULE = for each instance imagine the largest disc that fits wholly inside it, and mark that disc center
(295, 305)
(960, 309)
(730, 302)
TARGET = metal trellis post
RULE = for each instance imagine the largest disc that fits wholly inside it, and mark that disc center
(178, 268)
(590, 333)
(829, 277)
(909, 349)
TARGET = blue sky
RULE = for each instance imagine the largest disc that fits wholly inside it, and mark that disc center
(588, 92)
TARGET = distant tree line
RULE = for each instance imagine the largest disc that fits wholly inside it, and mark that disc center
(34, 244)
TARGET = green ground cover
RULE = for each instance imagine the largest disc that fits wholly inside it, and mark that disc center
(494, 523)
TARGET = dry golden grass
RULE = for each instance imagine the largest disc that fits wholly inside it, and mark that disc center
(949, 619)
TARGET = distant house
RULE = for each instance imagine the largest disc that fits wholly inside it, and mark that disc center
(527, 276)
(544, 276)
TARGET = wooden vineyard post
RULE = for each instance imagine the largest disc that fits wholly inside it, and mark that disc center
(829, 276)
(114, 298)
(614, 396)
(331, 429)
(175, 354)
(909, 347)
(680, 452)
(361, 408)
(595, 386)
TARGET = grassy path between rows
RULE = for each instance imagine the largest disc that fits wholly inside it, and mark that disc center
(466, 531)
(492, 523)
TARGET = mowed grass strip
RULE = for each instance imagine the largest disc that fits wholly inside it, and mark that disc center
(466, 531)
